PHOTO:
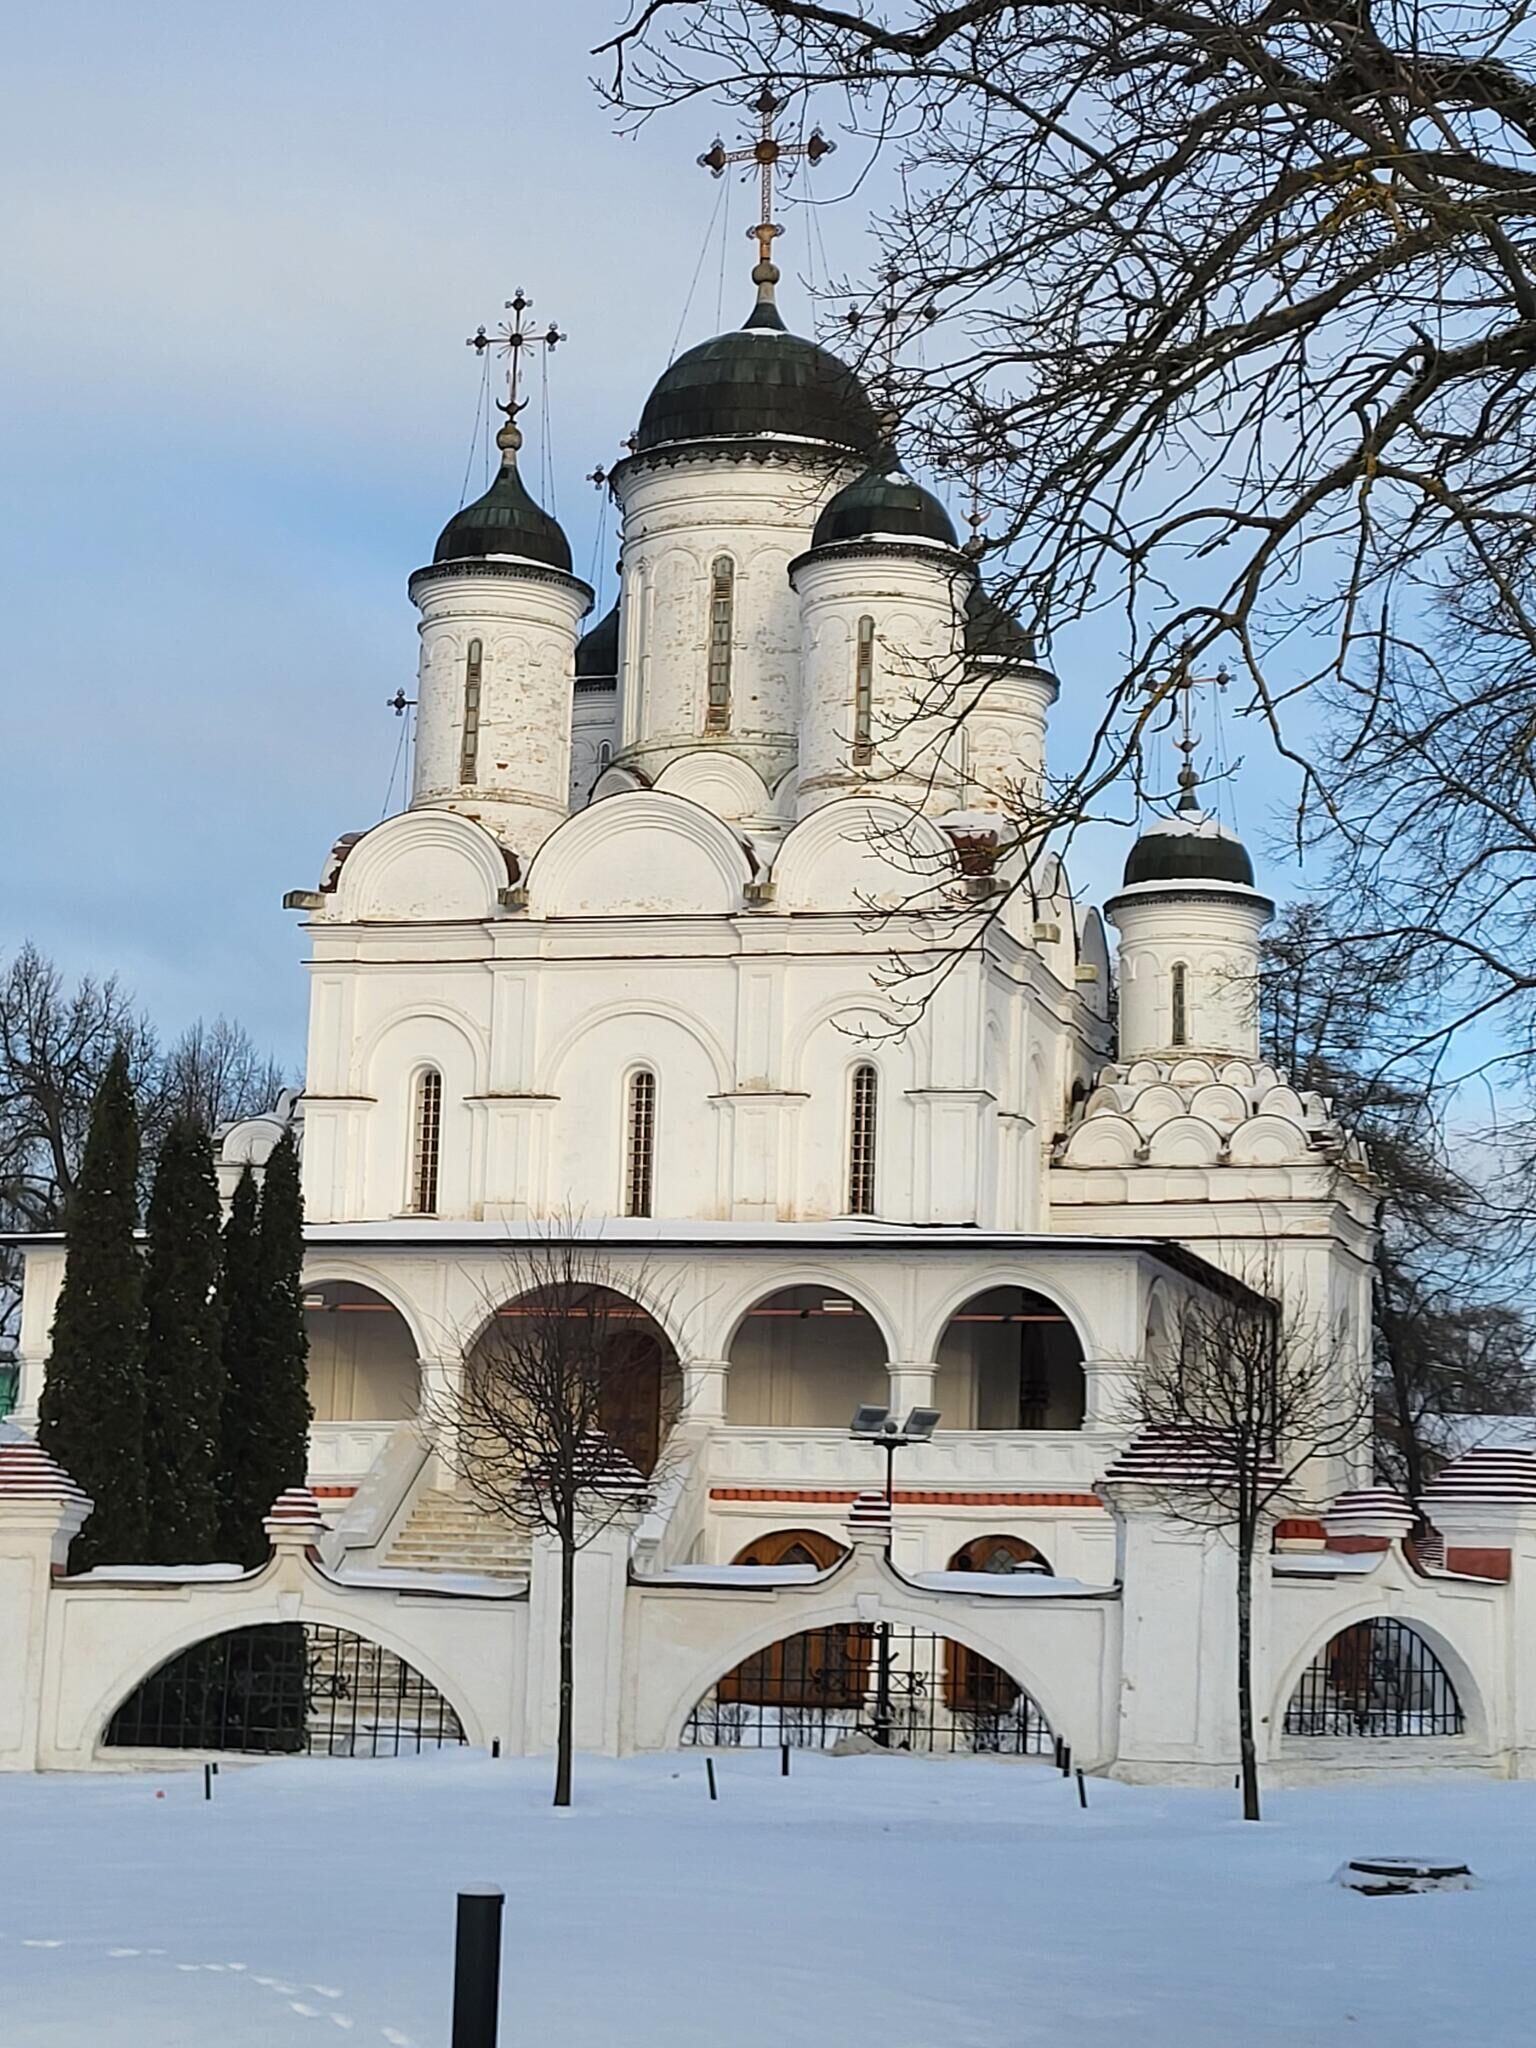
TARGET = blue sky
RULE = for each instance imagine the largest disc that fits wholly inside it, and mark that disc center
(243, 250)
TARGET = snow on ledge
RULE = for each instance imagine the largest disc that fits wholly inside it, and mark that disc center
(737, 1575)
(1303, 1564)
(158, 1574)
(458, 1585)
(1010, 1585)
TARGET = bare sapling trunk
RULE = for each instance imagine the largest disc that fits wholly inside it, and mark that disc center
(561, 1419)
(1247, 1747)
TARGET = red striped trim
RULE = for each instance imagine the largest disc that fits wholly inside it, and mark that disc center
(841, 1496)
(333, 1492)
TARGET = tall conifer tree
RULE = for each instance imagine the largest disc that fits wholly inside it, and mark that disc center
(266, 1389)
(183, 1364)
(91, 1416)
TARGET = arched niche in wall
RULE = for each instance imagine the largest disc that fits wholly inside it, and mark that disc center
(362, 1357)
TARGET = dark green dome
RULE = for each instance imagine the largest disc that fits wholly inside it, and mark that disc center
(505, 521)
(993, 633)
(597, 652)
(758, 382)
(1188, 847)
(887, 504)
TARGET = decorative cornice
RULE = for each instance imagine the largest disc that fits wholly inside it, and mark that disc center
(877, 550)
(786, 452)
(510, 568)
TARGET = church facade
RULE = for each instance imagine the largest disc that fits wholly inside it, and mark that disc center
(703, 939)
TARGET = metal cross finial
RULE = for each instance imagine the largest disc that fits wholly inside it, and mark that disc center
(766, 152)
(1185, 682)
(510, 339)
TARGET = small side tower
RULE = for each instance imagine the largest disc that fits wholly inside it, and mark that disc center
(1008, 698)
(1189, 920)
(882, 592)
(500, 615)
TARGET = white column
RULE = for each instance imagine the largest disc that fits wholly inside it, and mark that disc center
(704, 1382)
(911, 1387)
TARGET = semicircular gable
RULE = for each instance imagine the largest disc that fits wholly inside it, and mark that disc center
(426, 867)
(723, 783)
(1103, 1141)
(1267, 1141)
(861, 853)
(641, 854)
(1184, 1141)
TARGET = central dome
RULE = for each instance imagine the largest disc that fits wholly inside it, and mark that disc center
(759, 382)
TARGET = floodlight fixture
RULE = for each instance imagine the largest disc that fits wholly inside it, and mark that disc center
(870, 1421)
(920, 1425)
(838, 1306)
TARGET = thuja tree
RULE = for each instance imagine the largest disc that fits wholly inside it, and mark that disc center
(266, 1387)
(91, 1416)
(184, 1365)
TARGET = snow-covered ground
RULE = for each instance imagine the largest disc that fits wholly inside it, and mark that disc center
(913, 1904)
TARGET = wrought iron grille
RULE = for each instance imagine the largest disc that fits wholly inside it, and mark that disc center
(1379, 1677)
(426, 1141)
(904, 1688)
(288, 1688)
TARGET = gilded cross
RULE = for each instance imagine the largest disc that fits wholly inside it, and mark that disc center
(510, 339)
(767, 152)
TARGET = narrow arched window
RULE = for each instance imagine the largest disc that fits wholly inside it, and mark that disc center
(1180, 1034)
(639, 1142)
(604, 755)
(722, 625)
(469, 743)
(426, 1141)
(863, 1111)
(864, 693)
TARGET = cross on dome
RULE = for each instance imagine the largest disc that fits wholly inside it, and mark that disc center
(510, 339)
(767, 152)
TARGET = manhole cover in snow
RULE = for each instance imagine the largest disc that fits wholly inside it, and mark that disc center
(1390, 1876)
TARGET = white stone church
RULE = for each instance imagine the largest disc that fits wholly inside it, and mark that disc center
(642, 960)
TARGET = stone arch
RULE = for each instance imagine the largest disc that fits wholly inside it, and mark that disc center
(364, 1358)
(1458, 1670)
(796, 1361)
(1009, 1357)
(961, 1291)
(267, 1610)
(978, 1552)
(324, 1266)
(658, 1007)
(422, 866)
(638, 1371)
(836, 857)
(784, 1547)
(828, 1613)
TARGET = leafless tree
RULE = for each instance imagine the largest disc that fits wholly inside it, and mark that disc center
(1236, 338)
(562, 1419)
(1241, 1400)
(215, 1074)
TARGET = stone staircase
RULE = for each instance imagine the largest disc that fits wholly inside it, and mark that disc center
(449, 1532)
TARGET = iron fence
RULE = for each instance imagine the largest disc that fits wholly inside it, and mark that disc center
(903, 1688)
(1377, 1678)
(287, 1688)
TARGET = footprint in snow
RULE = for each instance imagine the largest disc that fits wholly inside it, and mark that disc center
(305, 2012)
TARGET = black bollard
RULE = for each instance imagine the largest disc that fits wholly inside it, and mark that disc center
(1066, 1759)
(208, 1781)
(1056, 1753)
(709, 1772)
(1082, 1792)
(495, 1746)
(783, 1759)
(477, 1968)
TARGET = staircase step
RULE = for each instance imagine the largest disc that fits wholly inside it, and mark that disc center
(447, 1533)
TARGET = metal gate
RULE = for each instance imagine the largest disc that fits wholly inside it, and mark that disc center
(902, 1688)
(1378, 1677)
(287, 1688)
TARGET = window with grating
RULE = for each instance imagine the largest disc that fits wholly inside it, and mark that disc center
(426, 1141)
(640, 1143)
(864, 693)
(1180, 1004)
(861, 1142)
(722, 625)
(469, 744)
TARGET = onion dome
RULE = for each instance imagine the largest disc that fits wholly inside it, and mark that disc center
(884, 504)
(597, 652)
(759, 382)
(1191, 846)
(505, 521)
(993, 634)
